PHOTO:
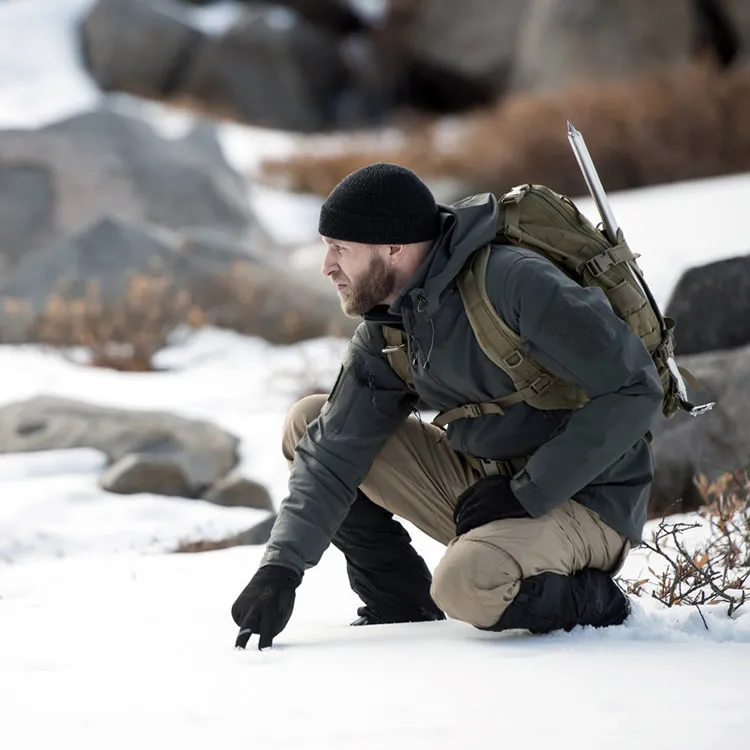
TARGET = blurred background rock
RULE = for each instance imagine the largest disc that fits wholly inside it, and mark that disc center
(116, 230)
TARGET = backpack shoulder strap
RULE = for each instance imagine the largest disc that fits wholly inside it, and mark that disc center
(501, 344)
(397, 352)
(498, 341)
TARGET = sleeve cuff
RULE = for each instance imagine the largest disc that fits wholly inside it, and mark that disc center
(275, 557)
(530, 496)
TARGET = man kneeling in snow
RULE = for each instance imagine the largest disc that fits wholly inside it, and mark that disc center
(537, 508)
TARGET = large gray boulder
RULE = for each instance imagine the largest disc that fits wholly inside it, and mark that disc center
(474, 39)
(27, 209)
(137, 45)
(136, 471)
(711, 305)
(272, 68)
(203, 452)
(58, 180)
(565, 42)
(711, 444)
(235, 490)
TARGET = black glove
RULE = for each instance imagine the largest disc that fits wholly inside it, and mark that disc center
(489, 499)
(265, 604)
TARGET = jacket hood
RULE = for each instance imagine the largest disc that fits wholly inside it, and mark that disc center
(466, 226)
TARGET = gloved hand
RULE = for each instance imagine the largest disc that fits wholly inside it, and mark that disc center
(489, 499)
(265, 604)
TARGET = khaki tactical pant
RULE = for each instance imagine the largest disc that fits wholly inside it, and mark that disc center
(418, 476)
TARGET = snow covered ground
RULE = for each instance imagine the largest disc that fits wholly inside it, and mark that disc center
(107, 641)
(129, 651)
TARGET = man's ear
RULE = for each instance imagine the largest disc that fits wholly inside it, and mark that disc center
(396, 253)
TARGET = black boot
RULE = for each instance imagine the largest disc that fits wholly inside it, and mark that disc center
(365, 618)
(384, 569)
(549, 601)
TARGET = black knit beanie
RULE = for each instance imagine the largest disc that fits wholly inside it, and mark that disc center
(380, 204)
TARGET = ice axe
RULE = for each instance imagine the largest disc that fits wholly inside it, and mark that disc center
(612, 232)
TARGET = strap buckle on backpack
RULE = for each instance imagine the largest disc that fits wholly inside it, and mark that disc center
(541, 383)
(602, 262)
(599, 264)
(472, 411)
(515, 194)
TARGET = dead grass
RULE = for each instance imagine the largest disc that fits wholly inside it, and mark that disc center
(674, 124)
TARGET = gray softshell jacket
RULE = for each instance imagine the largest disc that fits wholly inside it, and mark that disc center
(597, 454)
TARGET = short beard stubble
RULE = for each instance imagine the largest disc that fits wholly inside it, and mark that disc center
(378, 284)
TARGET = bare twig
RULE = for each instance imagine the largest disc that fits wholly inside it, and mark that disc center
(713, 571)
(700, 612)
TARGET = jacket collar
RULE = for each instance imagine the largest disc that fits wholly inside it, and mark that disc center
(465, 226)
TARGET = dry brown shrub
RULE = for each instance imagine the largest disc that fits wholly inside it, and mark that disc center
(125, 335)
(673, 124)
(705, 562)
(122, 335)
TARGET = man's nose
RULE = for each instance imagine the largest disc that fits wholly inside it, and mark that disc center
(329, 264)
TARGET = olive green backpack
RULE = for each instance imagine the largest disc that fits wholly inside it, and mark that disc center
(537, 218)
